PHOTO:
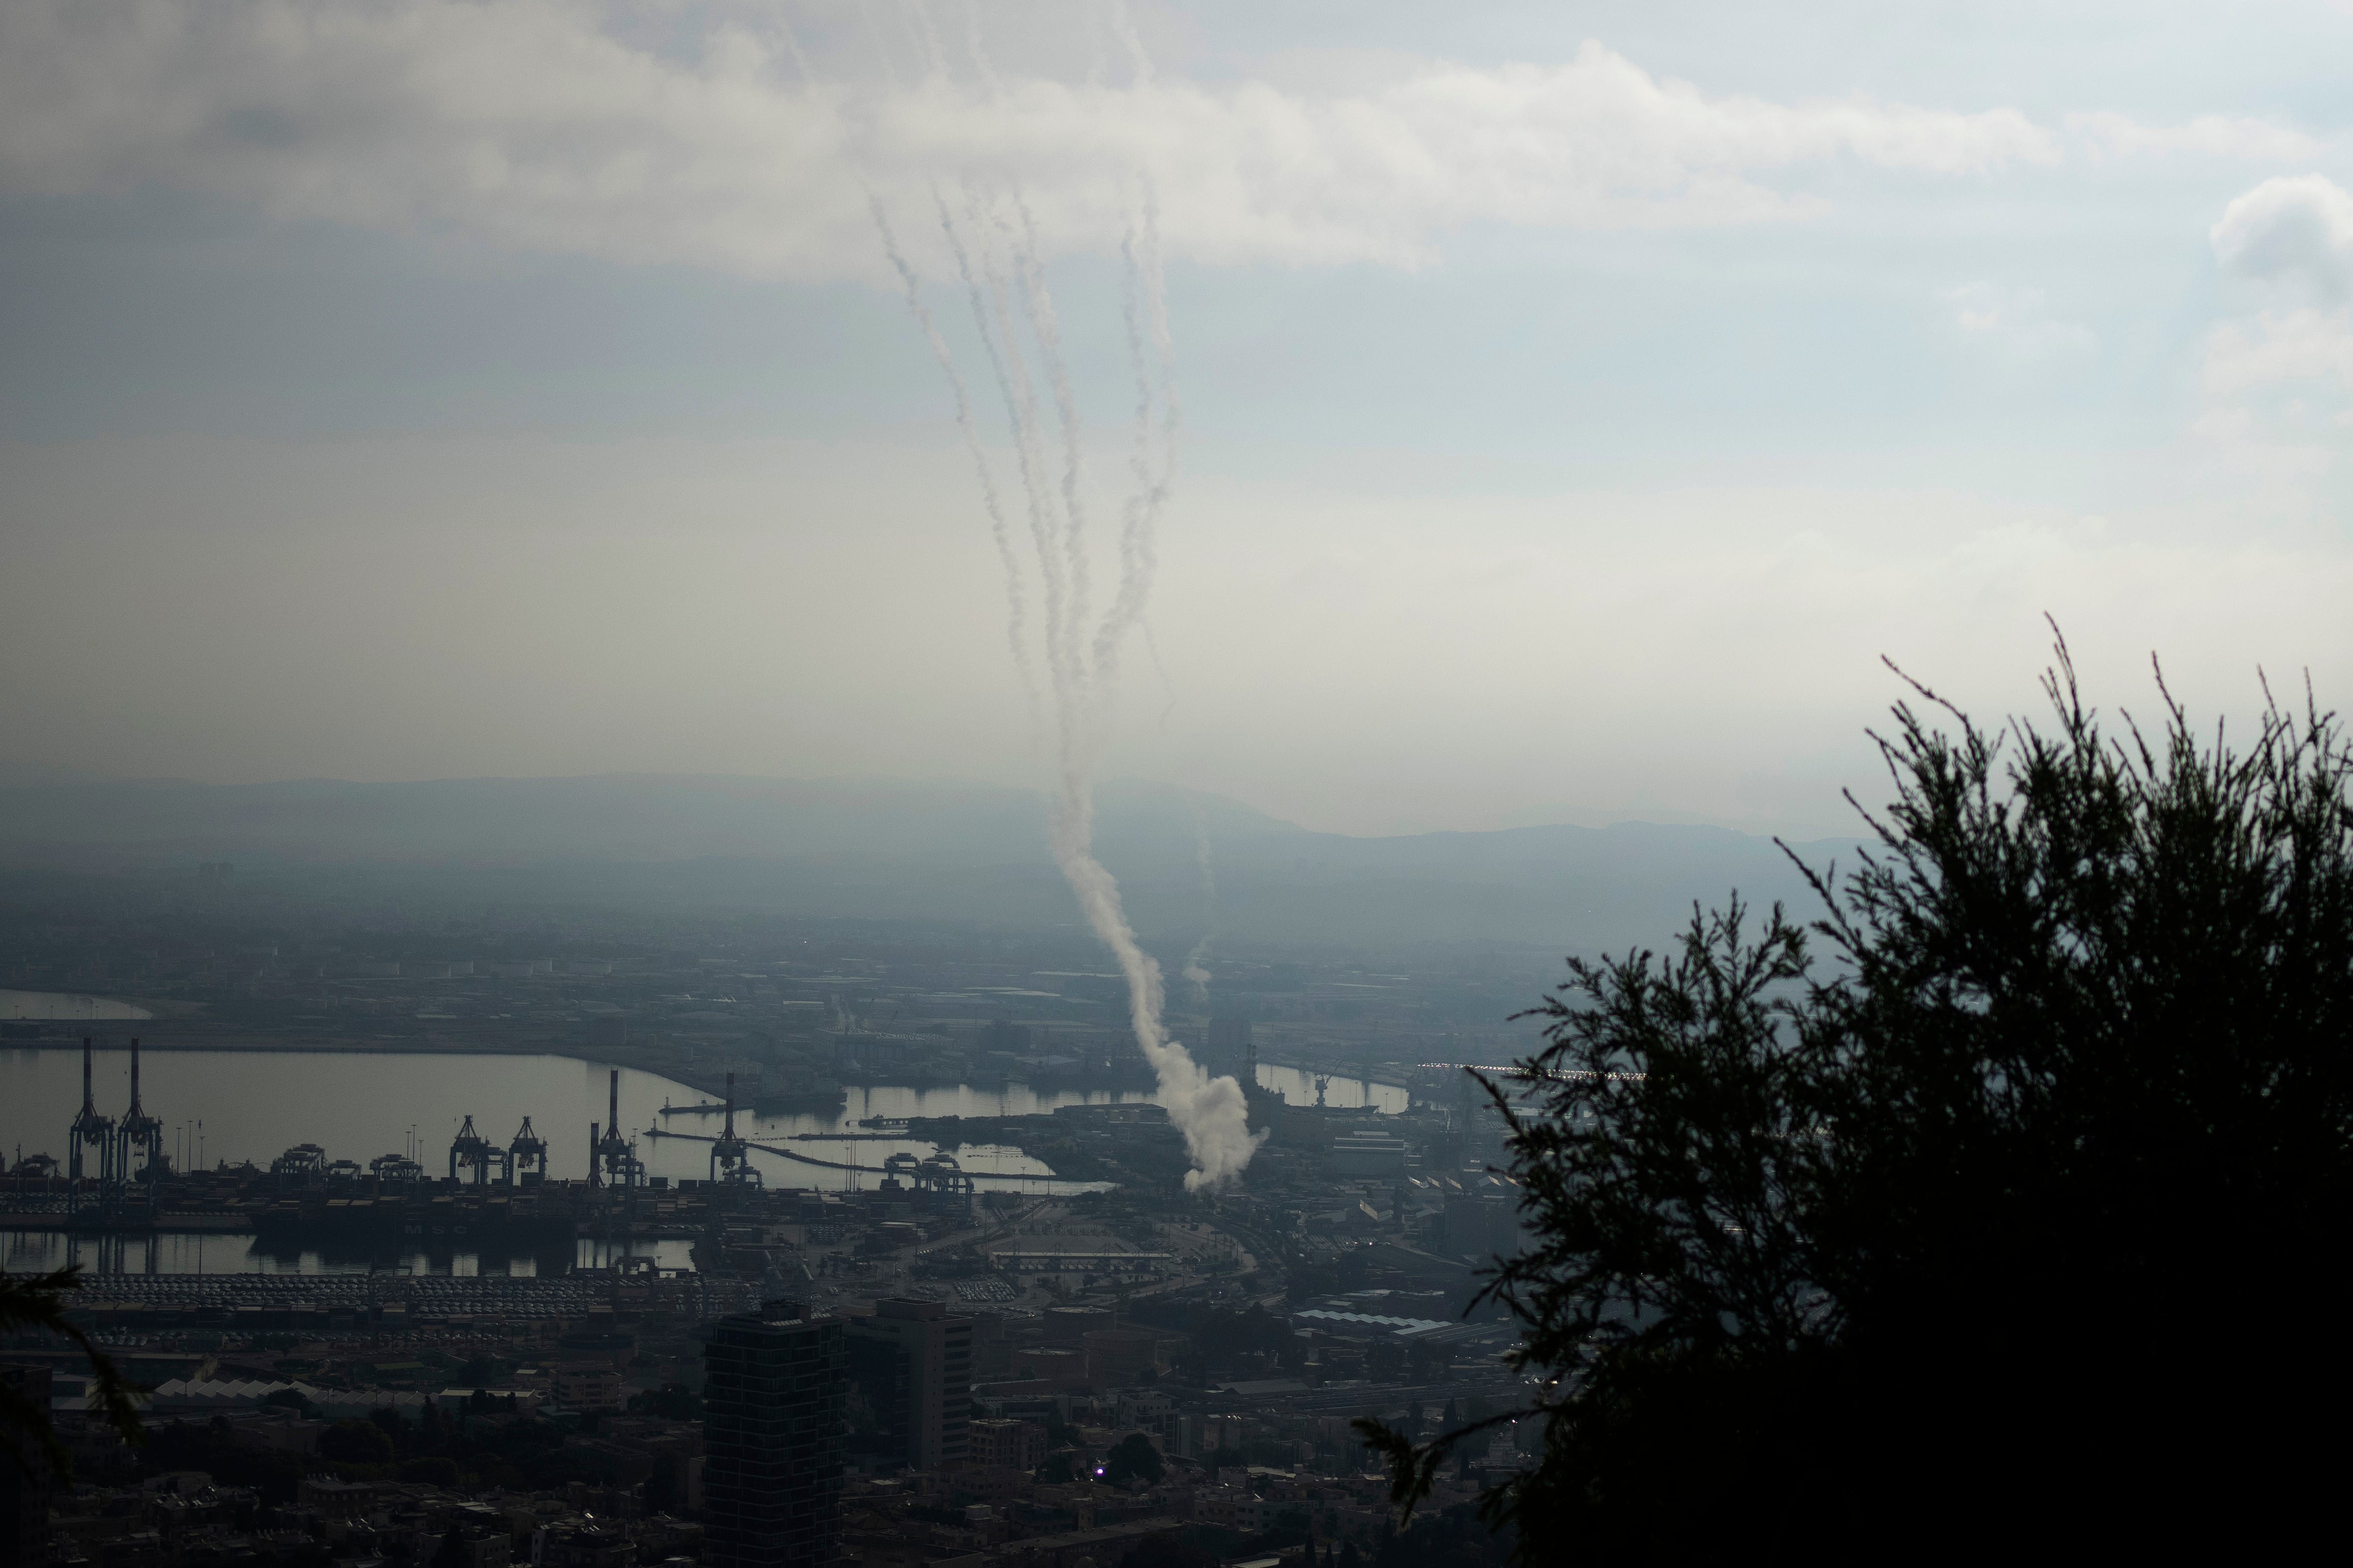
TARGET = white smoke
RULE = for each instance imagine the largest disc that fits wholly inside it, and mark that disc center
(999, 262)
(1197, 963)
(1209, 1112)
(1015, 608)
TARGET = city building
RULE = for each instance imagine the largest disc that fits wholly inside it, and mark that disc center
(586, 1387)
(1366, 1153)
(1118, 1358)
(1008, 1444)
(910, 1374)
(772, 1404)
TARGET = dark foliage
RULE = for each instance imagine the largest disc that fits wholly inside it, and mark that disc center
(671, 1401)
(1457, 1538)
(2020, 1210)
(1133, 1458)
(459, 1450)
(274, 1473)
(431, 1469)
(356, 1443)
(35, 1304)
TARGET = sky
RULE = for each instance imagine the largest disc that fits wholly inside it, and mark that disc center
(1575, 403)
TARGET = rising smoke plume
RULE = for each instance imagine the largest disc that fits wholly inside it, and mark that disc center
(998, 263)
(1197, 963)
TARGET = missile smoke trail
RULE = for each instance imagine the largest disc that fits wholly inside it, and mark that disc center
(1197, 963)
(1015, 609)
(1142, 293)
(930, 37)
(792, 42)
(1211, 1112)
(1038, 306)
(1021, 414)
(1125, 26)
(972, 43)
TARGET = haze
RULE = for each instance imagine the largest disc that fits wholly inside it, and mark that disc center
(1577, 402)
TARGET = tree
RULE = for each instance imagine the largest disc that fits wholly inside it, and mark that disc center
(431, 1469)
(34, 1303)
(453, 1552)
(356, 1443)
(291, 1399)
(671, 1401)
(2021, 1206)
(1133, 1458)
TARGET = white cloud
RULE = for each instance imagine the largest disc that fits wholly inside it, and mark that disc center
(2278, 377)
(2017, 320)
(2207, 136)
(2297, 228)
(2279, 347)
(531, 124)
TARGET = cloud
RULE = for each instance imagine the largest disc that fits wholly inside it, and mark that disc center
(534, 123)
(2280, 348)
(2016, 321)
(2295, 228)
(2207, 136)
(2277, 376)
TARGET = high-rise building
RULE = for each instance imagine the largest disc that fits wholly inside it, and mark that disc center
(911, 1367)
(772, 1435)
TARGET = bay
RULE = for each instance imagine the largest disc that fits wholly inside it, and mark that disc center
(228, 1105)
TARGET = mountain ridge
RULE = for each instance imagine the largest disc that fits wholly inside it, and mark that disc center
(902, 848)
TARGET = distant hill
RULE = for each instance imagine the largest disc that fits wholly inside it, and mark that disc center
(896, 849)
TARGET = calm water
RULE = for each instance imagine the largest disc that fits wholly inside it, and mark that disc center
(62, 1004)
(253, 1105)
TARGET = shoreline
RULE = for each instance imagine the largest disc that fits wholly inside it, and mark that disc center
(658, 1065)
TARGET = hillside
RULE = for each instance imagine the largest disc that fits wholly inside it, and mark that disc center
(901, 851)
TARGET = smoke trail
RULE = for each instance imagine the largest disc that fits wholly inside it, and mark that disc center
(1015, 607)
(1196, 962)
(979, 55)
(793, 46)
(1094, 47)
(931, 38)
(1125, 26)
(1156, 302)
(1021, 414)
(1211, 1112)
(1138, 544)
(881, 49)
(1037, 306)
